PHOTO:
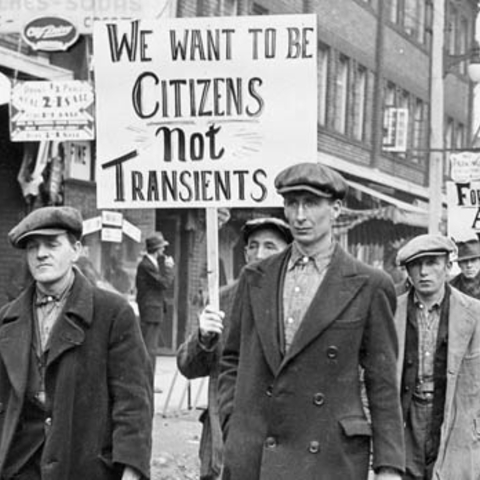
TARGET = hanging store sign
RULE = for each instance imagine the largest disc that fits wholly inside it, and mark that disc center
(50, 34)
(60, 110)
(465, 166)
(15, 14)
(203, 112)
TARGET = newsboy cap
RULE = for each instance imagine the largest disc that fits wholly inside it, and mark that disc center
(48, 221)
(270, 223)
(468, 250)
(426, 245)
(311, 177)
(155, 241)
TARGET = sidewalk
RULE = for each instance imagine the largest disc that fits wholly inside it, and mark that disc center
(173, 392)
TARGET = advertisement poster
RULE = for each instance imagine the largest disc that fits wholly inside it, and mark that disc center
(202, 112)
(60, 110)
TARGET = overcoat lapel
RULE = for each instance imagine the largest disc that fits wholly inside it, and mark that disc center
(15, 341)
(460, 327)
(339, 287)
(69, 330)
(265, 280)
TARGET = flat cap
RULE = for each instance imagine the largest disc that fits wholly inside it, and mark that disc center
(47, 221)
(468, 250)
(311, 177)
(155, 241)
(426, 245)
(270, 223)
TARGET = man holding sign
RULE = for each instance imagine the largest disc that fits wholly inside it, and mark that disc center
(303, 323)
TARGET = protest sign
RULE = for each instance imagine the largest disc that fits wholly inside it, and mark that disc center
(202, 112)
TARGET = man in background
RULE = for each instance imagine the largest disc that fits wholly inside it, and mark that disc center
(155, 274)
(468, 258)
(199, 355)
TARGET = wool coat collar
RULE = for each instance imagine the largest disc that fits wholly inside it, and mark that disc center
(340, 286)
(69, 331)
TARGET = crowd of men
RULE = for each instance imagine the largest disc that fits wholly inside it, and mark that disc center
(318, 369)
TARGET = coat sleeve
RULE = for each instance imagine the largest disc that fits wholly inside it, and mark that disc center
(163, 277)
(196, 360)
(230, 355)
(379, 356)
(130, 385)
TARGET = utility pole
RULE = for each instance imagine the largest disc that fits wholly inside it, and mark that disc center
(436, 117)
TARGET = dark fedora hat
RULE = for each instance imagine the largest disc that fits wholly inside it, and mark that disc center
(155, 241)
(468, 250)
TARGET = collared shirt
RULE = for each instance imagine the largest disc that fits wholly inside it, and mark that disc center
(153, 259)
(302, 279)
(428, 321)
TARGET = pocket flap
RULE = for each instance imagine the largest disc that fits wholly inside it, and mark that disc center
(355, 426)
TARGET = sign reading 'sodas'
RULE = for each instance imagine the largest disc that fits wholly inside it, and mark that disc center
(50, 34)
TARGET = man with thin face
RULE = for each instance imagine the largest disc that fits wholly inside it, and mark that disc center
(438, 329)
(303, 322)
(75, 377)
(199, 355)
(468, 258)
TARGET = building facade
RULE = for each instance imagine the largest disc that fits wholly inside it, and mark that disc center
(374, 60)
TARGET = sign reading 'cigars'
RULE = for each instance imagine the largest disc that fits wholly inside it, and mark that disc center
(50, 34)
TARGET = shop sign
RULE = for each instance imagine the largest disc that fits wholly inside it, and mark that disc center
(205, 112)
(465, 166)
(463, 199)
(50, 34)
(111, 235)
(132, 231)
(91, 225)
(59, 110)
(15, 14)
(114, 219)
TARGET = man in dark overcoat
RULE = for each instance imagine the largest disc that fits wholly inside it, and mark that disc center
(199, 355)
(155, 274)
(303, 323)
(75, 376)
(468, 258)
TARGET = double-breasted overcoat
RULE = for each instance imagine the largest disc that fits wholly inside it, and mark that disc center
(97, 381)
(459, 451)
(299, 414)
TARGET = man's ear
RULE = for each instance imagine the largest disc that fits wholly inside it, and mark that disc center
(336, 208)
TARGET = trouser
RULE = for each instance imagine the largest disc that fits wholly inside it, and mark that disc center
(151, 333)
(420, 450)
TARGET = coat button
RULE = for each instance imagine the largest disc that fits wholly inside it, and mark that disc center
(270, 442)
(269, 391)
(48, 421)
(2, 408)
(314, 446)
(319, 399)
(406, 388)
(332, 352)
(409, 362)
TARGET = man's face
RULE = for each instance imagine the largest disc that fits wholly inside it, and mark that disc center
(50, 258)
(262, 243)
(470, 268)
(429, 274)
(310, 217)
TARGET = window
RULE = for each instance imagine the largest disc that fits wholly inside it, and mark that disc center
(341, 92)
(452, 30)
(459, 136)
(259, 9)
(463, 43)
(414, 19)
(419, 131)
(322, 79)
(226, 8)
(449, 142)
(359, 97)
(393, 11)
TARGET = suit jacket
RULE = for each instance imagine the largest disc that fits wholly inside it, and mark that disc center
(459, 451)
(300, 414)
(98, 385)
(152, 283)
(195, 360)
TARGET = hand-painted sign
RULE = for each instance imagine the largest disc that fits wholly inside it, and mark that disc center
(60, 110)
(50, 34)
(203, 111)
(463, 209)
(465, 166)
